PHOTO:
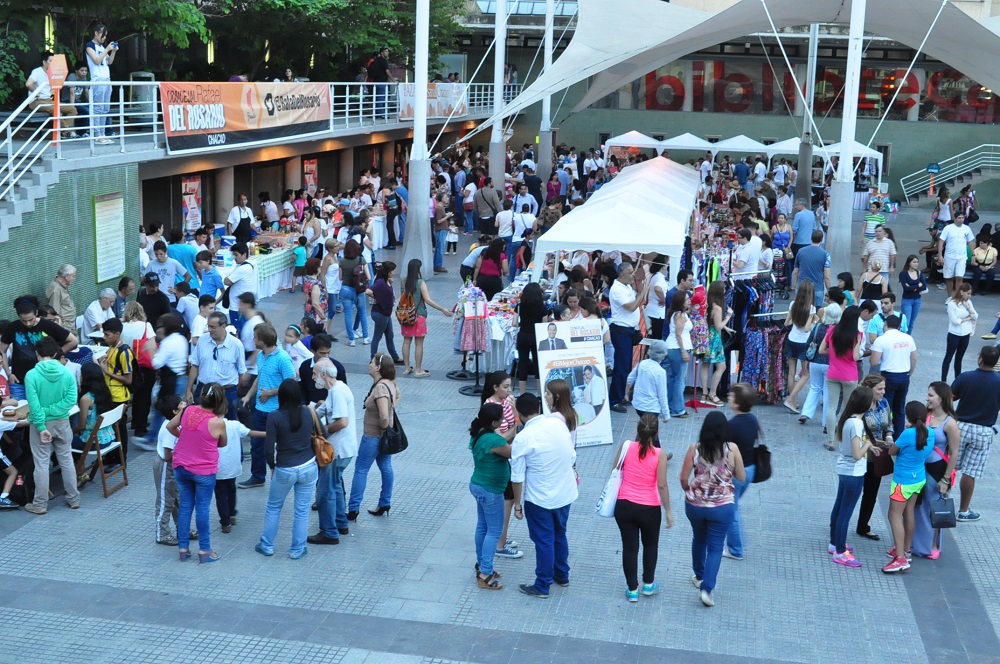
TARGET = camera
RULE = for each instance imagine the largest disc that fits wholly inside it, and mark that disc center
(114, 44)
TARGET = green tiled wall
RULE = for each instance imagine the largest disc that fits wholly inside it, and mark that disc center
(61, 230)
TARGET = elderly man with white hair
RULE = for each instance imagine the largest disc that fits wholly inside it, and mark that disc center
(99, 311)
(646, 385)
(59, 298)
(337, 410)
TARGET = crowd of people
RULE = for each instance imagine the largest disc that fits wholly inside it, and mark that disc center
(225, 381)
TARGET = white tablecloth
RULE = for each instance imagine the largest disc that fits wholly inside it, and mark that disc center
(380, 235)
(274, 272)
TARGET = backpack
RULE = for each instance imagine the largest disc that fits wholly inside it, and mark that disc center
(406, 309)
(360, 283)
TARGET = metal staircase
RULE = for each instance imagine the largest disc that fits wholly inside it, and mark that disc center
(970, 167)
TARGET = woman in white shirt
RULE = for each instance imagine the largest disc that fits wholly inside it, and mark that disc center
(944, 207)
(171, 361)
(962, 319)
(99, 59)
(679, 348)
(801, 316)
(766, 260)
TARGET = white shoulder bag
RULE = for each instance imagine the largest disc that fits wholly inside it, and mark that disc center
(606, 503)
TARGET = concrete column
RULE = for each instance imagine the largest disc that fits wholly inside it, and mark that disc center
(346, 179)
(417, 240)
(497, 152)
(225, 193)
(688, 104)
(293, 174)
(385, 157)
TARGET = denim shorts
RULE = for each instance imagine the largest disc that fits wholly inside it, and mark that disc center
(796, 350)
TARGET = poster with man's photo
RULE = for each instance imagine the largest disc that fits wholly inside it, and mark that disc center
(573, 351)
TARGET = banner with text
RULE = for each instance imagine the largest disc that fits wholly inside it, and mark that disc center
(199, 116)
(443, 100)
(191, 202)
(109, 236)
(573, 351)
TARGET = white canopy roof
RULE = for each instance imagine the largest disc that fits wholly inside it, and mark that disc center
(788, 146)
(645, 208)
(661, 32)
(686, 141)
(633, 139)
(858, 149)
(739, 143)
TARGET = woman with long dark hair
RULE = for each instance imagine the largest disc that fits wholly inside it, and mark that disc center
(497, 390)
(490, 267)
(940, 466)
(349, 296)
(962, 317)
(289, 452)
(842, 344)
(914, 284)
(718, 316)
(801, 316)
(707, 479)
(559, 399)
(416, 287)
(490, 478)
(382, 398)
(95, 399)
(908, 480)
(679, 350)
(853, 448)
(200, 431)
(385, 299)
(530, 310)
(637, 511)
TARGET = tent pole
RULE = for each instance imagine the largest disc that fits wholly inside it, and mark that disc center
(544, 156)
(805, 148)
(417, 239)
(498, 152)
(838, 241)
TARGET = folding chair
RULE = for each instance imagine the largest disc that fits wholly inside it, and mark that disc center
(92, 447)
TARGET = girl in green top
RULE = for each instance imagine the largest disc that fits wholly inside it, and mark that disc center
(490, 452)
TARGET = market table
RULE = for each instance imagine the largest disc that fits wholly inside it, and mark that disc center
(273, 270)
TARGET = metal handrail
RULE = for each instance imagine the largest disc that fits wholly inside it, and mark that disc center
(986, 155)
(139, 124)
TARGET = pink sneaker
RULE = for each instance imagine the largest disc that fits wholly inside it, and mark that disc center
(897, 565)
(846, 559)
(831, 549)
(892, 554)
(934, 554)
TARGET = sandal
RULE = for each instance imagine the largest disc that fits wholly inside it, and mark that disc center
(408, 370)
(422, 374)
(829, 447)
(716, 400)
(488, 582)
(495, 575)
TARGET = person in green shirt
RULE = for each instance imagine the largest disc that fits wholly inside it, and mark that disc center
(51, 392)
(490, 454)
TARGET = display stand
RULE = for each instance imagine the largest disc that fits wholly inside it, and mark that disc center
(474, 338)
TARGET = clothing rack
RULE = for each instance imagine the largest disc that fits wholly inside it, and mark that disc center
(771, 314)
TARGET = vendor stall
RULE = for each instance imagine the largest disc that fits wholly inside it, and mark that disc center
(273, 270)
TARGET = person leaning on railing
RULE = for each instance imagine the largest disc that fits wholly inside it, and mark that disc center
(39, 80)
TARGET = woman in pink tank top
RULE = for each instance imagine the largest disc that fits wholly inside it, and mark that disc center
(707, 479)
(637, 512)
(200, 432)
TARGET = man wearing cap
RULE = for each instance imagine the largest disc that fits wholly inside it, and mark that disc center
(153, 301)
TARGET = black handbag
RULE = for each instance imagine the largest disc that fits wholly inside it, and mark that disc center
(762, 468)
(393, 440)
(943, 512)
(882, 464)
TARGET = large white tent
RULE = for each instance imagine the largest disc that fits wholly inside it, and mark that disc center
(646, 208)
(739, 144)
(633, 139)
(686, 141)
(787, 146)
(860, 151)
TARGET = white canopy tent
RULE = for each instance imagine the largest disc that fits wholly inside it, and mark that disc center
(686, 141)
(645, 209)
(788, 146)
(740, 144)
(633, 139)
(860, 151)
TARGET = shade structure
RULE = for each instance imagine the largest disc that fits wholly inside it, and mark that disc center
(740, 144)
(685, 141)
(633, 139)
(859, 150)
(788, 146)
(646, 208)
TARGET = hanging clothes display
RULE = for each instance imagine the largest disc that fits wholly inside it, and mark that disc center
(763, 365)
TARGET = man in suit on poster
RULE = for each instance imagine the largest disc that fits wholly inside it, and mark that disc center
(552, 343)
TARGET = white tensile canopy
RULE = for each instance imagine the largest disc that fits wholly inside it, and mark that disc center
(739, 144)
(661, 32)
(686, 141)
(633, 139)
(860, 151)
(646, 208)
(787, 146)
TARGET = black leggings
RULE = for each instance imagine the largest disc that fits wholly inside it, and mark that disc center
(225, 498)
(869, 496)
(956, 347)
(526, 347)
(636, 520)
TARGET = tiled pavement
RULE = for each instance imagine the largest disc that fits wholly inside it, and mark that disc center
(90, 586)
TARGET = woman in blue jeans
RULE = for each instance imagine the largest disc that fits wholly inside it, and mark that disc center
(491, 473)
(200, 432)
(852, 462)
(914, 284)
(744, 430)
(350, 298)
(679, 348)
(710, 466)
(382, 399)
(289, 452)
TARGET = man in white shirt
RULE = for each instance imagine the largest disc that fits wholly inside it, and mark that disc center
(895, 354)
(706, 169)
(219, 358)
(624, 328)
(952, 241)
(705, 190)
(747, 255)
(243, 279)
(99, 311)
(759, 172)
(524, 198)
(338, 411)
(780, 172)
(541, 472)
(39, 80)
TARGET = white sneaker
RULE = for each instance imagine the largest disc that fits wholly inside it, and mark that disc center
(351, 343)
(366, 341)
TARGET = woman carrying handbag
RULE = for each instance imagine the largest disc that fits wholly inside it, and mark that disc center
(637, 511)
(379, 407)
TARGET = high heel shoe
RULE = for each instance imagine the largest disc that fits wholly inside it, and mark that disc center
(209, 557)
(352, 516)
(184, 554)
(381, 510)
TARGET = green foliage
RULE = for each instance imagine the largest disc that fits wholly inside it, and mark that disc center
(11, 75)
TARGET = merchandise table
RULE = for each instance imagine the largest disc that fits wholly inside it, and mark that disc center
(273, 270)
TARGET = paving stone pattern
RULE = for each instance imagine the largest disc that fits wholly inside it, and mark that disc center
(90, 585)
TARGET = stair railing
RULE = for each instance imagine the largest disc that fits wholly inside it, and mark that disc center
(986, 156)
